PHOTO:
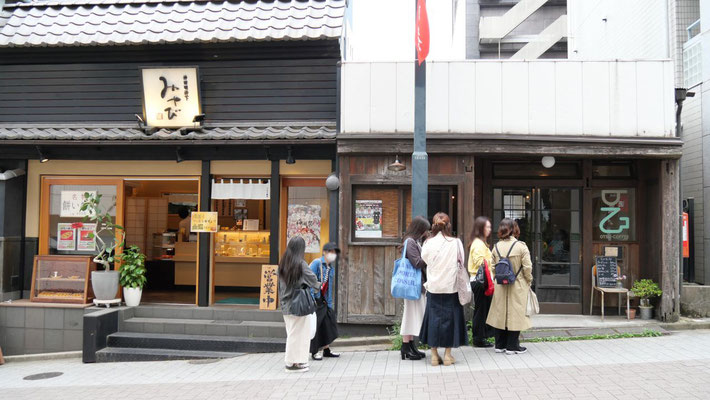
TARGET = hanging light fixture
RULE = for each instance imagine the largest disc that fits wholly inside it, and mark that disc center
(548, 161)
(396, 165)
(289, 156)
(42, 158)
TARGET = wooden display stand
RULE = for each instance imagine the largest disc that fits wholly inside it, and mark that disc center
(63, 266)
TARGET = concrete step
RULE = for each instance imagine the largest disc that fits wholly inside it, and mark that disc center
(182, 326)
(222, 313)
(122, 354)
(196, 342)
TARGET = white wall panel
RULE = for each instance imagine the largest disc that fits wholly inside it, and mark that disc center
(383, 97)
(462, 96)
(649, 109)
(437, 97)
(405, 97)
(488, 97)
(515, 97)
(356, 104)
(595, 98)
(541, 97)
(568, 98)
(622, 93)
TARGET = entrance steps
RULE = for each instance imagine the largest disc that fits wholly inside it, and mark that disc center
(148, 333)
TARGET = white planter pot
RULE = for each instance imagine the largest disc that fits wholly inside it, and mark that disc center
(132, 296)
(105, 284)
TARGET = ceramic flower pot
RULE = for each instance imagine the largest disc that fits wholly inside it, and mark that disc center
(105, 284)
(646, 312)
(132, 296)
(631, 312)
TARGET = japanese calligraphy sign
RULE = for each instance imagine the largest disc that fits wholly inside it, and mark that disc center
(203, 221)
(71, 201)
(269, 287)
(171, 96)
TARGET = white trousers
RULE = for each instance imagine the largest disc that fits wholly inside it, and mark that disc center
(413, 316)
(298, 339)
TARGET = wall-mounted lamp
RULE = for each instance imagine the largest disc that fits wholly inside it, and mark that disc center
(42, 158)
(141, 122)
(396, 165)
(178, 155)
(198, 119)
(548, 161)
(289, 157)
(332, 183)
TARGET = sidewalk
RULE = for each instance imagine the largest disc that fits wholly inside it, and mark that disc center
(668, 367)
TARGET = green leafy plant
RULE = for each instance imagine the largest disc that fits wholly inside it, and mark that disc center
(646, 289)
(645, 333)
(104, 223)
(133, 270)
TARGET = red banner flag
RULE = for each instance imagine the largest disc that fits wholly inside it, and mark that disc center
(422, 32)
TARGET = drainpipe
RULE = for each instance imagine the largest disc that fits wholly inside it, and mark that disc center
(680, 95)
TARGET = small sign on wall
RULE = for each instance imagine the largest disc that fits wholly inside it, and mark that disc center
(171, 96)
(71, 201)
(269, 287)
(203, 221)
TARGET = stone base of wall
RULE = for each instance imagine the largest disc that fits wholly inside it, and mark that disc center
(31, 328)
(695, 300)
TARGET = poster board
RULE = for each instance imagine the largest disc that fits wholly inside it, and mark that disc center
(66, 237)
(368, 218)
(203, 221)
(269, 287)
(607, 271)
(305, 221)
(86, 237)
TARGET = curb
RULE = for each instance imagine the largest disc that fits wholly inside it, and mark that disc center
(43, 356)
(362, 341)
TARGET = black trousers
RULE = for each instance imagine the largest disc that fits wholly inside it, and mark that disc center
(481, 305)
(509, 340)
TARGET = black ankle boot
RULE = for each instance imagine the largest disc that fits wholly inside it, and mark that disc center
(407, 352)
(415, 347)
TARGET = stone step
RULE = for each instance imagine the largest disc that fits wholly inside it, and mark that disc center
(196, 342)
(225, 313)
(122, 354)
(182, 326)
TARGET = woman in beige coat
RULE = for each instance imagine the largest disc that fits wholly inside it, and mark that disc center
(507, 313)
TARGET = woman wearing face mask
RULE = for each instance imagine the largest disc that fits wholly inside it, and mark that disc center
(327, 328)
(413, 313)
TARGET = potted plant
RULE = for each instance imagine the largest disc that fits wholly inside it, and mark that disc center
(620, 280)
(132, 274)
(646, 289)
(104, 283)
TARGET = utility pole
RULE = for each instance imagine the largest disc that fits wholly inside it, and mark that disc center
(420, 159)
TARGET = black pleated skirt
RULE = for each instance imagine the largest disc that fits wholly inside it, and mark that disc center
(444, 324)
(326, 327)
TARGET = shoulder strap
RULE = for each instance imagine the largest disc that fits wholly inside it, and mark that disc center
(497, 251)
(510, 249)
(404, 248)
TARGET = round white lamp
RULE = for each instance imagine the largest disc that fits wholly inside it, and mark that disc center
(548, 161)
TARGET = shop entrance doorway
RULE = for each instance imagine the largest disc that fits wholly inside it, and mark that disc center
(550, 224)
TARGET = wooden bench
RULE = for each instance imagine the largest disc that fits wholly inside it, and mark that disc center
(604, 291)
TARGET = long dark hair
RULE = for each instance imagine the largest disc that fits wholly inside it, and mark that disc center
(290, 265)
(441, 223)
(417, 229)
(479, 228)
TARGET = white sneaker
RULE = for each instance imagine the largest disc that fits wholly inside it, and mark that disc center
(500, 350)
(520, 350)
(318, 356)
(297, 368)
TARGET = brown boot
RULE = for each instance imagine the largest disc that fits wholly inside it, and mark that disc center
(448, 358)
(435, 359)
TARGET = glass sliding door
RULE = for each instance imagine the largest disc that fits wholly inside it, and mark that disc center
(549, 221)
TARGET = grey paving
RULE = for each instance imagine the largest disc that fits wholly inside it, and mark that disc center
(675, 367)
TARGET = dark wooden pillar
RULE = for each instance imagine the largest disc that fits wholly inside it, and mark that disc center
(333, 200)
(275, 211)
(203, 260)
(587, 236)
(670, 245)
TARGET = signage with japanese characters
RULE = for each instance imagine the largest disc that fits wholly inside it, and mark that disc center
(171, 96)
(203, 221)
(269, 287)
(66, 237)
(71, 201)
(86, 240)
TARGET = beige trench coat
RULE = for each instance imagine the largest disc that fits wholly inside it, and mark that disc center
(510, 301)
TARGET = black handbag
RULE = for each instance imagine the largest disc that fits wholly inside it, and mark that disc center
(303, 303)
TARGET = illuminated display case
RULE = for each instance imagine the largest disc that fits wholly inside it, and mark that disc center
(62, 279)
(253, 244)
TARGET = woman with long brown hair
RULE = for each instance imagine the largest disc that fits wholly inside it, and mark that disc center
(444, 324)
(480, 257)
(295, 275)
(507, 313)
(413, 313)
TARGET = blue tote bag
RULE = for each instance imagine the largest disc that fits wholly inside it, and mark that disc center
(406, 280)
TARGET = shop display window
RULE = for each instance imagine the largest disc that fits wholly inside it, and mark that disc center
(253, 244)
(308, 214)
(614, 214)
(62, 279)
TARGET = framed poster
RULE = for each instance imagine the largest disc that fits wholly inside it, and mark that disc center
(305, 221)
(203, 221)
(368, 218)
(86, 238)
(70, 203)
(66, 237)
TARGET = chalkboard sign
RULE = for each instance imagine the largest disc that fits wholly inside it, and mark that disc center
(607, 270)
